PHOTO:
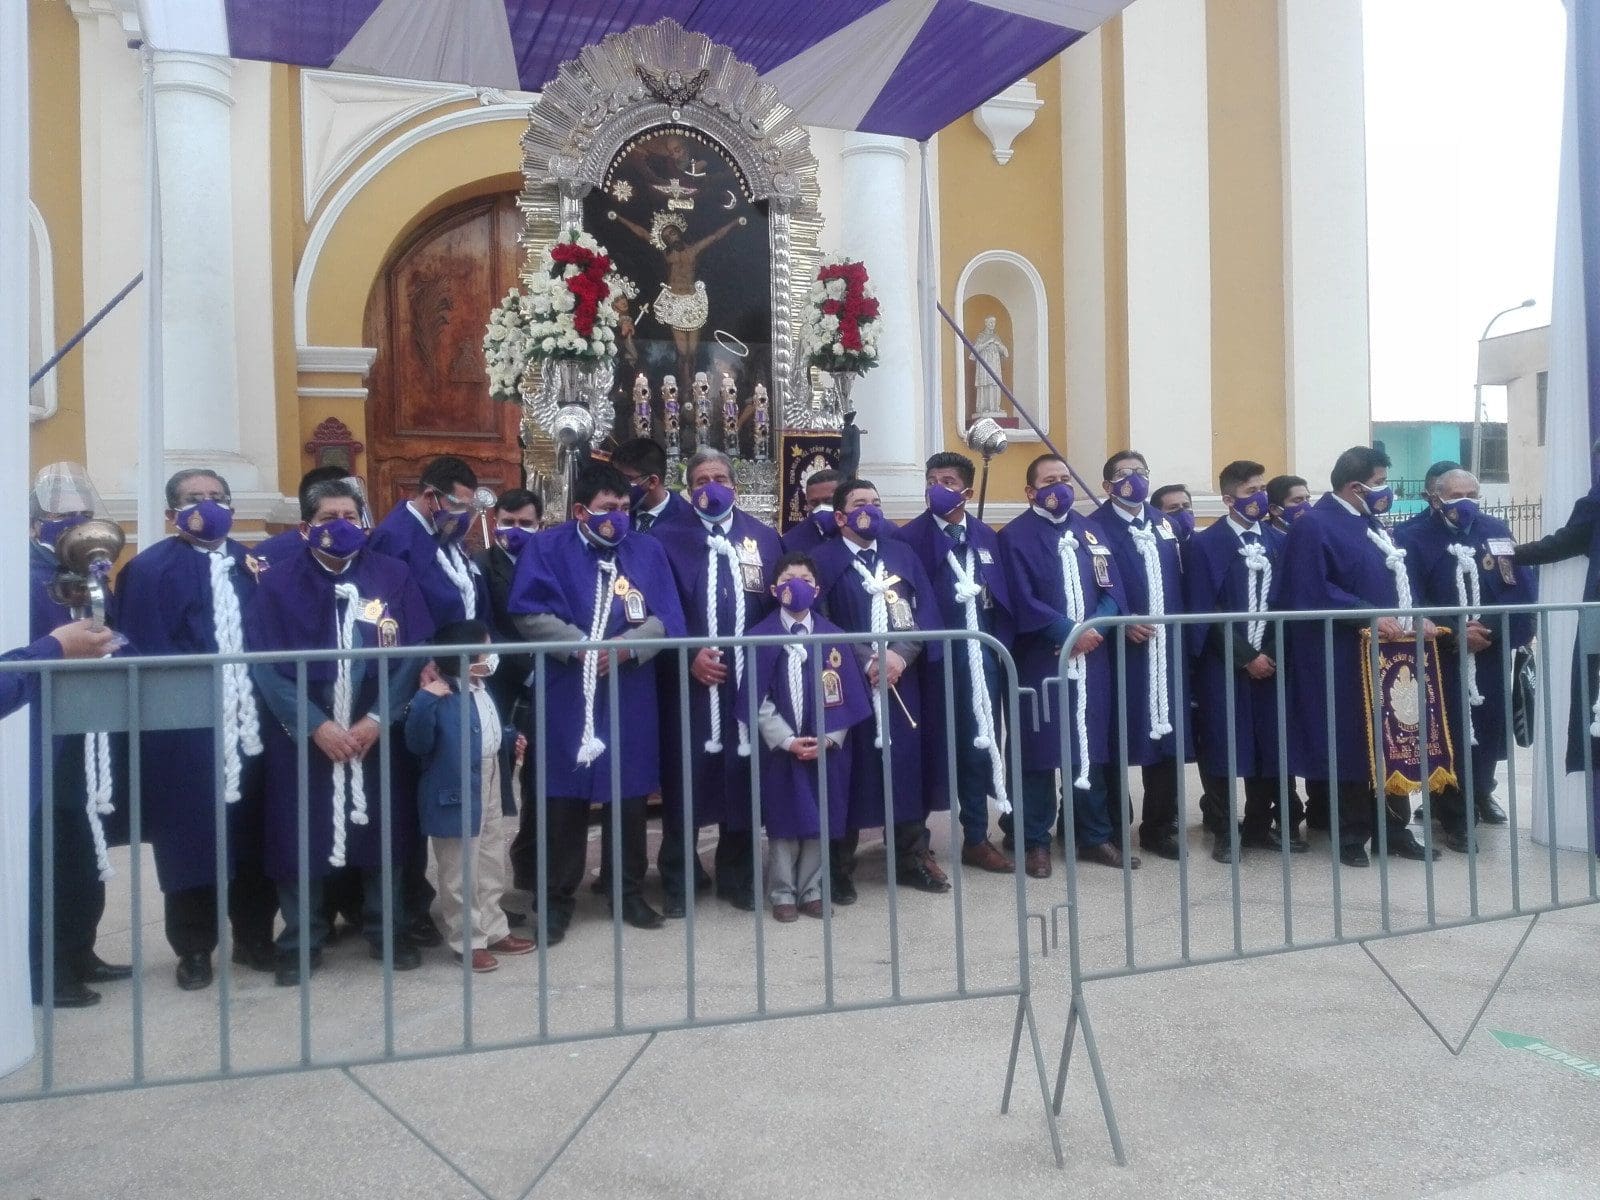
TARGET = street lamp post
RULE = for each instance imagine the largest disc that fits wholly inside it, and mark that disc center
(1477, 389)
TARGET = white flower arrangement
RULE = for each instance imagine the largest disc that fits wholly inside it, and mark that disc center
(842, 320)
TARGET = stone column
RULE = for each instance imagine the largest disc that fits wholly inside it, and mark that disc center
(193, 102)
(875, 228)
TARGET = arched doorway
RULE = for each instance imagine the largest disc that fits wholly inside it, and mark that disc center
(427, 393)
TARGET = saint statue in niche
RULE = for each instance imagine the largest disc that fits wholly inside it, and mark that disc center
(987, 351)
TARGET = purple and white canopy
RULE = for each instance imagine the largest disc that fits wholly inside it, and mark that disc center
(902, 67)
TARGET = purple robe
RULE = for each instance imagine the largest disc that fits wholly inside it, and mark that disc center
(295, 609)
(1134, 690)
(1030, 551)
(1215, 579)
(1329, 562)
(806, 538)
(719, 781)
(677, 511)
(791, 803)
(1432, 568)
(278, 547)
(22, 687)
(557, 574)
(847, 604)
(164, 607)
(401, 535)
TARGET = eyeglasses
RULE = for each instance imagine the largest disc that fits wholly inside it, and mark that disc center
(452, 504)
(1126, 471)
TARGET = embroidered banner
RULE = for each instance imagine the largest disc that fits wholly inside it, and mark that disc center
(800, 457)
(1401, 687)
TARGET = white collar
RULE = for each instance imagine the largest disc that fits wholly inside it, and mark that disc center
(426, 522)
(858, 551)
(662, 507)
(1130, 517)
(943, 524)
(1347, 506)
(343, 567)
(724, 526)
(1053, 518)
(804, 620)
(1254, 527)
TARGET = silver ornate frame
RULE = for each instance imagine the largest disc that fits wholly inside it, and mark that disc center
(663, 74)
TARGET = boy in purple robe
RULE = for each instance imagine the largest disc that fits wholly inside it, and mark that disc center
(722, 561)
(1228, 568)
(188, 594)
(591, 580)
(337, 594)
(785, 680)
(1060, 573)
(818, 525)
(1339, 556)
(643, 464)
(426, 533)
(961, 558)
(1144, 544)
(874, 583)
(1459, 555)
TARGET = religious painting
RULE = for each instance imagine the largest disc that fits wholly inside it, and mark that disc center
(680, 221)
(1403, 683)
(803, 455)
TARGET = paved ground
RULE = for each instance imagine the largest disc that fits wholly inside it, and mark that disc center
(1303, 1075)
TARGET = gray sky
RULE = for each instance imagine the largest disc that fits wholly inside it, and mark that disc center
(1463, 153)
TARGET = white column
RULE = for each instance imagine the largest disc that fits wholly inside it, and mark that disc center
(1166, 129)
(193, 99)
(16, 1016)
(875, 229)
(1083, 224)
(1325, 232)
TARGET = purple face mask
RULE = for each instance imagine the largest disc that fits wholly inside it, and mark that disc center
(822, 518)
(1056, 499)
(513, 538)
(713, 501)
(451, 525)
(1131, 489)
(337, 538)
(1293, 512)
(943, 500)
(50, 531)
(1252, 507)
(796, 595)
(205, 520)
(636, 494)
(866, 521)
(1183, 521)
(608, 528)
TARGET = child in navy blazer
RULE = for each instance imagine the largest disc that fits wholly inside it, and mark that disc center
(433, 734)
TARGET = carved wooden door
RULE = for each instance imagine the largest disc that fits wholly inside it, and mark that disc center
(428, 390)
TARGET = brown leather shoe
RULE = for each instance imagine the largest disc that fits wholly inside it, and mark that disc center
(785, 914)
(932, 864)
(986, 858)
(512, 944)
(812, 908)
(1037, 863)
(1107, 855)
(482, 961)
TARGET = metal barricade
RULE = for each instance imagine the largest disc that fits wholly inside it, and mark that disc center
(262, 1031)
(1348, 917)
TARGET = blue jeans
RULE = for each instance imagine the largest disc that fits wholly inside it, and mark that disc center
(1040, 800)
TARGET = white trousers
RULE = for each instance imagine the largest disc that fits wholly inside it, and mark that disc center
(490, 867)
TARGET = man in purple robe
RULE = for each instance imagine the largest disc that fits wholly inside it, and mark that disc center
(722, 561)
(426, 533)
(873, 583)
(1288, 499)
(338, 594)
(1144, 544)
(188, 594)
(290, 543)
(643, 464)
(590, 580)
(806, 695)
(818, 525)
(961, 558)
(1228, 568)
(1339, 556)
(1060, 573)
(1459, 555)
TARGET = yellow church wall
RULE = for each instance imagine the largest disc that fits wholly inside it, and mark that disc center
(1118, 420)
(56, 189)
(288, 240)
(1015, 207)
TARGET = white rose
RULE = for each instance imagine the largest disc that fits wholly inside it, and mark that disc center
(838, 347)
(549, 344)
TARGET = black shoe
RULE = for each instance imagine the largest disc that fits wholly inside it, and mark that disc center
(194, 972)
(556, 932)
(1489, 811)
(1162, 845)
(1008, 842)
(286, 972)
(1268, 840)
(1222, 848)
(258, 956)
(917, 874)
(1403, 844)
(702, 877)
(675, 907)
(421, 932)
(406, 957)
(637, 912)
(96, 970)
(844, 890)
(1455, 837)
(1354, 855)
(72, 993)
(600, 886)
(743, 901)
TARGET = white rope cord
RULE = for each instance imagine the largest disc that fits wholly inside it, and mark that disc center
(873, 581)
(718, 548)
(1078, 664)
(589, 746)
(968, 590)
(1395, 559)
(1144, 540)
(349, 779)
(797, 687)
(1258, 585)
(1469, 593)
(241, 722)
(97, 777)
(454, 564)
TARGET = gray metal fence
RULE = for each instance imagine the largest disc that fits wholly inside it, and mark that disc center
(137, 696)
(1319, 887)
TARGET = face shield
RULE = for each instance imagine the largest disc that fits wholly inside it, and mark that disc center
(65, 489)
(354, 481)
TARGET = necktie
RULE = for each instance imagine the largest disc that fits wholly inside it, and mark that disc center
(1137, 522)
(797, 629)
(869, 559)
(1249, 538)
(646, 519)
(956, 533)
